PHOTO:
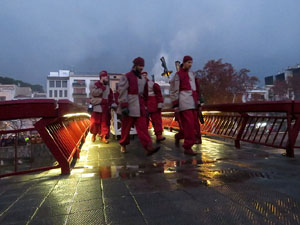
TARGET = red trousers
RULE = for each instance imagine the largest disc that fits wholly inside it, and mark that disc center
(189, 127)
(156, 122)
(99, 124)
(108, 122)
(141, 128)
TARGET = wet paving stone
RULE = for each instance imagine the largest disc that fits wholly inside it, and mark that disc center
(87, 217)
(49, 220)
(221, 185)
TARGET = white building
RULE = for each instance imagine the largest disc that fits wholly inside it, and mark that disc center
(13, 92)
(58, 84)
(65, 84)
(256, 94)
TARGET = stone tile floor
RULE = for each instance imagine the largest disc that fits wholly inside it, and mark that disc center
(222, 185)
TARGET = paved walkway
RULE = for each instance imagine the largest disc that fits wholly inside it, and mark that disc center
(221, 185)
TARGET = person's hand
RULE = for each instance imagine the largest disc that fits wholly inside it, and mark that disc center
(125, 111)
(159, 106)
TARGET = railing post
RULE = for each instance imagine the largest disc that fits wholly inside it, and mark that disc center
(16, 152)
(245, 118)
(292, 134)
(41, 127)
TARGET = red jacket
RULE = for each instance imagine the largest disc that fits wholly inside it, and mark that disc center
(133, 91)
(184, 90)
(155, 99)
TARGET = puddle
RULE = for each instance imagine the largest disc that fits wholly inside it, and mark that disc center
(185, 173)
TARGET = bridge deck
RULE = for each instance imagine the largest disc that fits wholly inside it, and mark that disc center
(222, 185)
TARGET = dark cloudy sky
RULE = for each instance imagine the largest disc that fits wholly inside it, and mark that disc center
(39, 36)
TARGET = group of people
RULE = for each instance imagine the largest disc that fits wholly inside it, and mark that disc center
(139, 100)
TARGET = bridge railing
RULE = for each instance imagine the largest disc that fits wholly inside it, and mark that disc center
(61, 124)
(274, 124)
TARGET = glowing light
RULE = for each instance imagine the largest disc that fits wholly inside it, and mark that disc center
(88, 175)
(210, 112)
(170, 170)
(76, 114)
(258, 125)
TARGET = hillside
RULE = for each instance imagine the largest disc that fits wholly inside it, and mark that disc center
(34, 87)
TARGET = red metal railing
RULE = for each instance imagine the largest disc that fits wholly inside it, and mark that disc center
(274, 124)
(62, 126)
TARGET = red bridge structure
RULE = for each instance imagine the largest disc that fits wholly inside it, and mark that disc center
(61, 124)
(220, 185)
(273, 124)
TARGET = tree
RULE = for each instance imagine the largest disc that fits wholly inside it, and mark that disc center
(34, 87)
(220, 83)
(280, 90)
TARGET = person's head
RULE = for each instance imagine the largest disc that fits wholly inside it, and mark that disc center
(187, 62)
(145, 75)
(103, 77)
(138, 64)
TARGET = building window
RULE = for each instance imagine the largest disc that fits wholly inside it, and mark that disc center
(50, 93)
(79, 83)
(80, 91)
(55, 93)
(60, 93)
(51, 83)
(58, 83)
(64, 83)
(66, 93)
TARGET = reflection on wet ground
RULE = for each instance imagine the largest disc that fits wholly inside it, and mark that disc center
(221, 185)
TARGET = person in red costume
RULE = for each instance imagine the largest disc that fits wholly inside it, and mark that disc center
(133, 92)
(185, 99)
(154, 105)
(100, 93)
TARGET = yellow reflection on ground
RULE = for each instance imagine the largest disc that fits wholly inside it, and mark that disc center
(86, 175)
(77, 170)
(87, 166)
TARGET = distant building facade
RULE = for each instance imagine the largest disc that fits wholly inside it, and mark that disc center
(270, 81)
(13, 92)
(65, 84)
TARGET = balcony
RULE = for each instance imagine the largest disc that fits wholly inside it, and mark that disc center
(82, 85)
(79, 95)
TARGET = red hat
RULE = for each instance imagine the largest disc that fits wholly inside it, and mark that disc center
(139, 61)
(103, 73)
(187, 58)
